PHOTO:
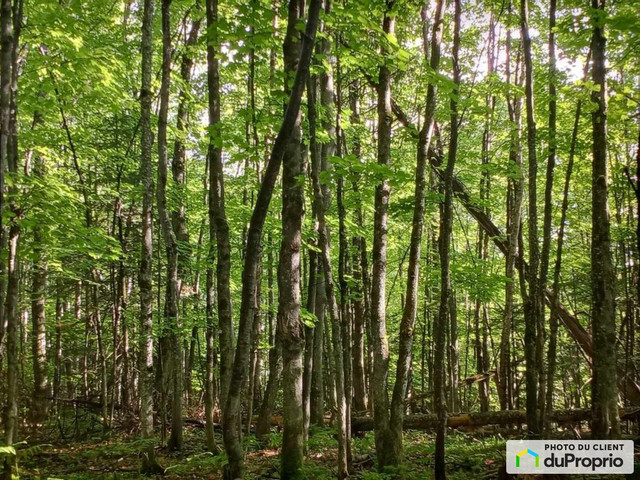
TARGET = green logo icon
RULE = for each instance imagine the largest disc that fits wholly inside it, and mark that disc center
(530, 452)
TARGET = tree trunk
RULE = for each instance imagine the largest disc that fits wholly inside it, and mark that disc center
(145, 279)
(40, 399)
(360, 313)
(309, 335)
(548, 206)
(317, 379)
(232, 443)
(336, 334)
(604, 390)
(10, 31)
(216, 191)
(171, 353)
(553, 320)
(263, 425)
(480, 346)
(407, 323)
(446, 226)
(514, 208)
(289, 324)
(380, 343)
(319, 163)
(179, 174)
(533, 300)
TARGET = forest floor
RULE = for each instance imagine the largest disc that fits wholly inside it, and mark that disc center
(115, 456)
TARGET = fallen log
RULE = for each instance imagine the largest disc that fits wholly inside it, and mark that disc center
(500, 417)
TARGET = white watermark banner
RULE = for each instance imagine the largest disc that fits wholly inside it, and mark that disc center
(570, 456)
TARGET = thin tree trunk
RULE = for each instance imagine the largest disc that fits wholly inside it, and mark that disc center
(317, 381)
(319, 163)
(321, 193)
(480, 346)
(407, 323)
(309, 336)
(216, 190)
(604, 389)
(446, 226)
(534, 300)
(210, 386)
(6, 40)
(145, 279)
(553, 320)
(171, 355)
(179, 174)
(380, 343)
(360, 392)
(333, 127)
(40, 400)
(548, 206)
(232, 442)
(10, 32)
(289, 284)
(263, 425)
(514, 208)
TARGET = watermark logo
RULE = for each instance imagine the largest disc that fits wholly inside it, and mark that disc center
(595, 457)
(529, 452)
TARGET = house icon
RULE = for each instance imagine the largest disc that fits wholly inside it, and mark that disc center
(530, 452)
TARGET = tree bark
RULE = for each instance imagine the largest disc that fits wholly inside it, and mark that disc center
(216, 191)
(446, 226)
(40, 399)
(407, 322)
(514, 210)
(359, 289)
(145, 277)
(263, 425)
(553, 319)
(548, 194)
(179, 174)
(380, 345)
(317, 379)
(170, 341)
(336, 334)
(533, 300)
(604, 391)
(10, 26)
(481, 307)
(232, 443)
(289, 324)
(320, 155)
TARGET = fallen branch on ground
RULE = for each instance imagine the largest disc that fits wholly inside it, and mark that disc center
(501, 417)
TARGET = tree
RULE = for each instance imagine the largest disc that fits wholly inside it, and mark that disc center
(149, 463)
(10, 25)
(289, 322)
(604, 389)
(380, 344)
(534, 303)
(217, 218)
(232, 443)
(40, 402)
(446, 225)
(413, 271)
(217, 205)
